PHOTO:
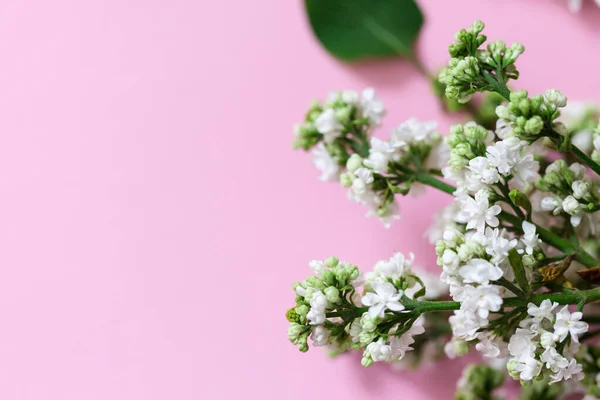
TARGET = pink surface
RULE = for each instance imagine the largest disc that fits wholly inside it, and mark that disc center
(155, 216)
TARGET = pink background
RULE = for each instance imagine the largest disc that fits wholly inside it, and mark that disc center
(155, 216)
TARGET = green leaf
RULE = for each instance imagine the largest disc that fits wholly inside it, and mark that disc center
(355, 29)
(517, 266)
(520, 200)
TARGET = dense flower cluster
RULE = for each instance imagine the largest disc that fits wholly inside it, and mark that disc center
(518, 247)
(335, 308)
(546, 342)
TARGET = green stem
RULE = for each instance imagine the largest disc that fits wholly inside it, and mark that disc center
(498, 87)
(421, 307)
(432, 181)
(584, 158)
(508, 285)
(416, 307)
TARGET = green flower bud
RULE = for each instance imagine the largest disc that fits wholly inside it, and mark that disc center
(463, 150)
(329, 276)
(524, 106)
(477, 27)
(302, 310)
(496, 47)
(515, 97)
(346, 180)
(435, 138)
(440, 247)
(332, 294)
(510, 367)
(457, 162)
(529, 261)
(342, 276)
(536, 102)
(303, 347)
(291, 315)
(366, 361)
(353, 272)
(366, 337)
(481, 380)
(354, 162)
(368, 324)
(520, 121)
(294, 331)
(332, 261)
(313, 281)
(476, 133)
(460, 347)
(534, 125)
(343, 115)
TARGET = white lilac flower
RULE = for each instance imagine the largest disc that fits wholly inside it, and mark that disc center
(397, 267)
(527, 367)
(464, 325)
(521, 344)
(482, 172)
(553, 204)
(328, 125)
(371, 107)
(572, 207)
(543, 311)
(490, 346)
(379, 351)
(503, 126)
(319, 335)
(548, 340)
(504, 155)
(530, 238)
(387, 215)
(481, 299)
(317, 266)
(478, 270)
(380, 154)
(478, 211)
(350, 97)
(450, 261)
(377, 161)
(411, 131)
(318, 305)
(400, 345)
(554, 98)
(525, 171)
(496, 243)
(578, 170)
(330, 170)
(553, 359)
(568, 323)
(572, 371)
(386, 297)
(581, 189)
(360, 184)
